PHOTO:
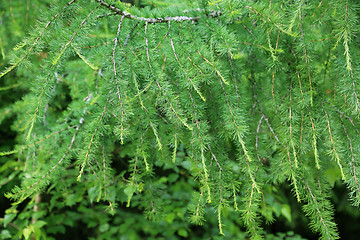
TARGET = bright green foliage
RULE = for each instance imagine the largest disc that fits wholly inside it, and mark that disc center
(189, 111)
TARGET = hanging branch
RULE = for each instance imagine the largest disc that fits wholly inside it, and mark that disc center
(149, 20)
(7, 70)
(352, 156)
(336, 155)
(117, 81)
(55, 166)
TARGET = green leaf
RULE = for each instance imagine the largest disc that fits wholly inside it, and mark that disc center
(39, 224)
(170, 217)
(286, 211)
(105, 227)
(333, 174)
(129, 190)
(92, 193)
(27, 232)
(182, 232)
(5, 234)
(8, 218)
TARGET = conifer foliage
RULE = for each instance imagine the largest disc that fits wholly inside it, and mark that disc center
(208, 104)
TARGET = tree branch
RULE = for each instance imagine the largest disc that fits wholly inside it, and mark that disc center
(150, 20)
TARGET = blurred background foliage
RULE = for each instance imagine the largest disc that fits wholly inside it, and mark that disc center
(73, 212)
